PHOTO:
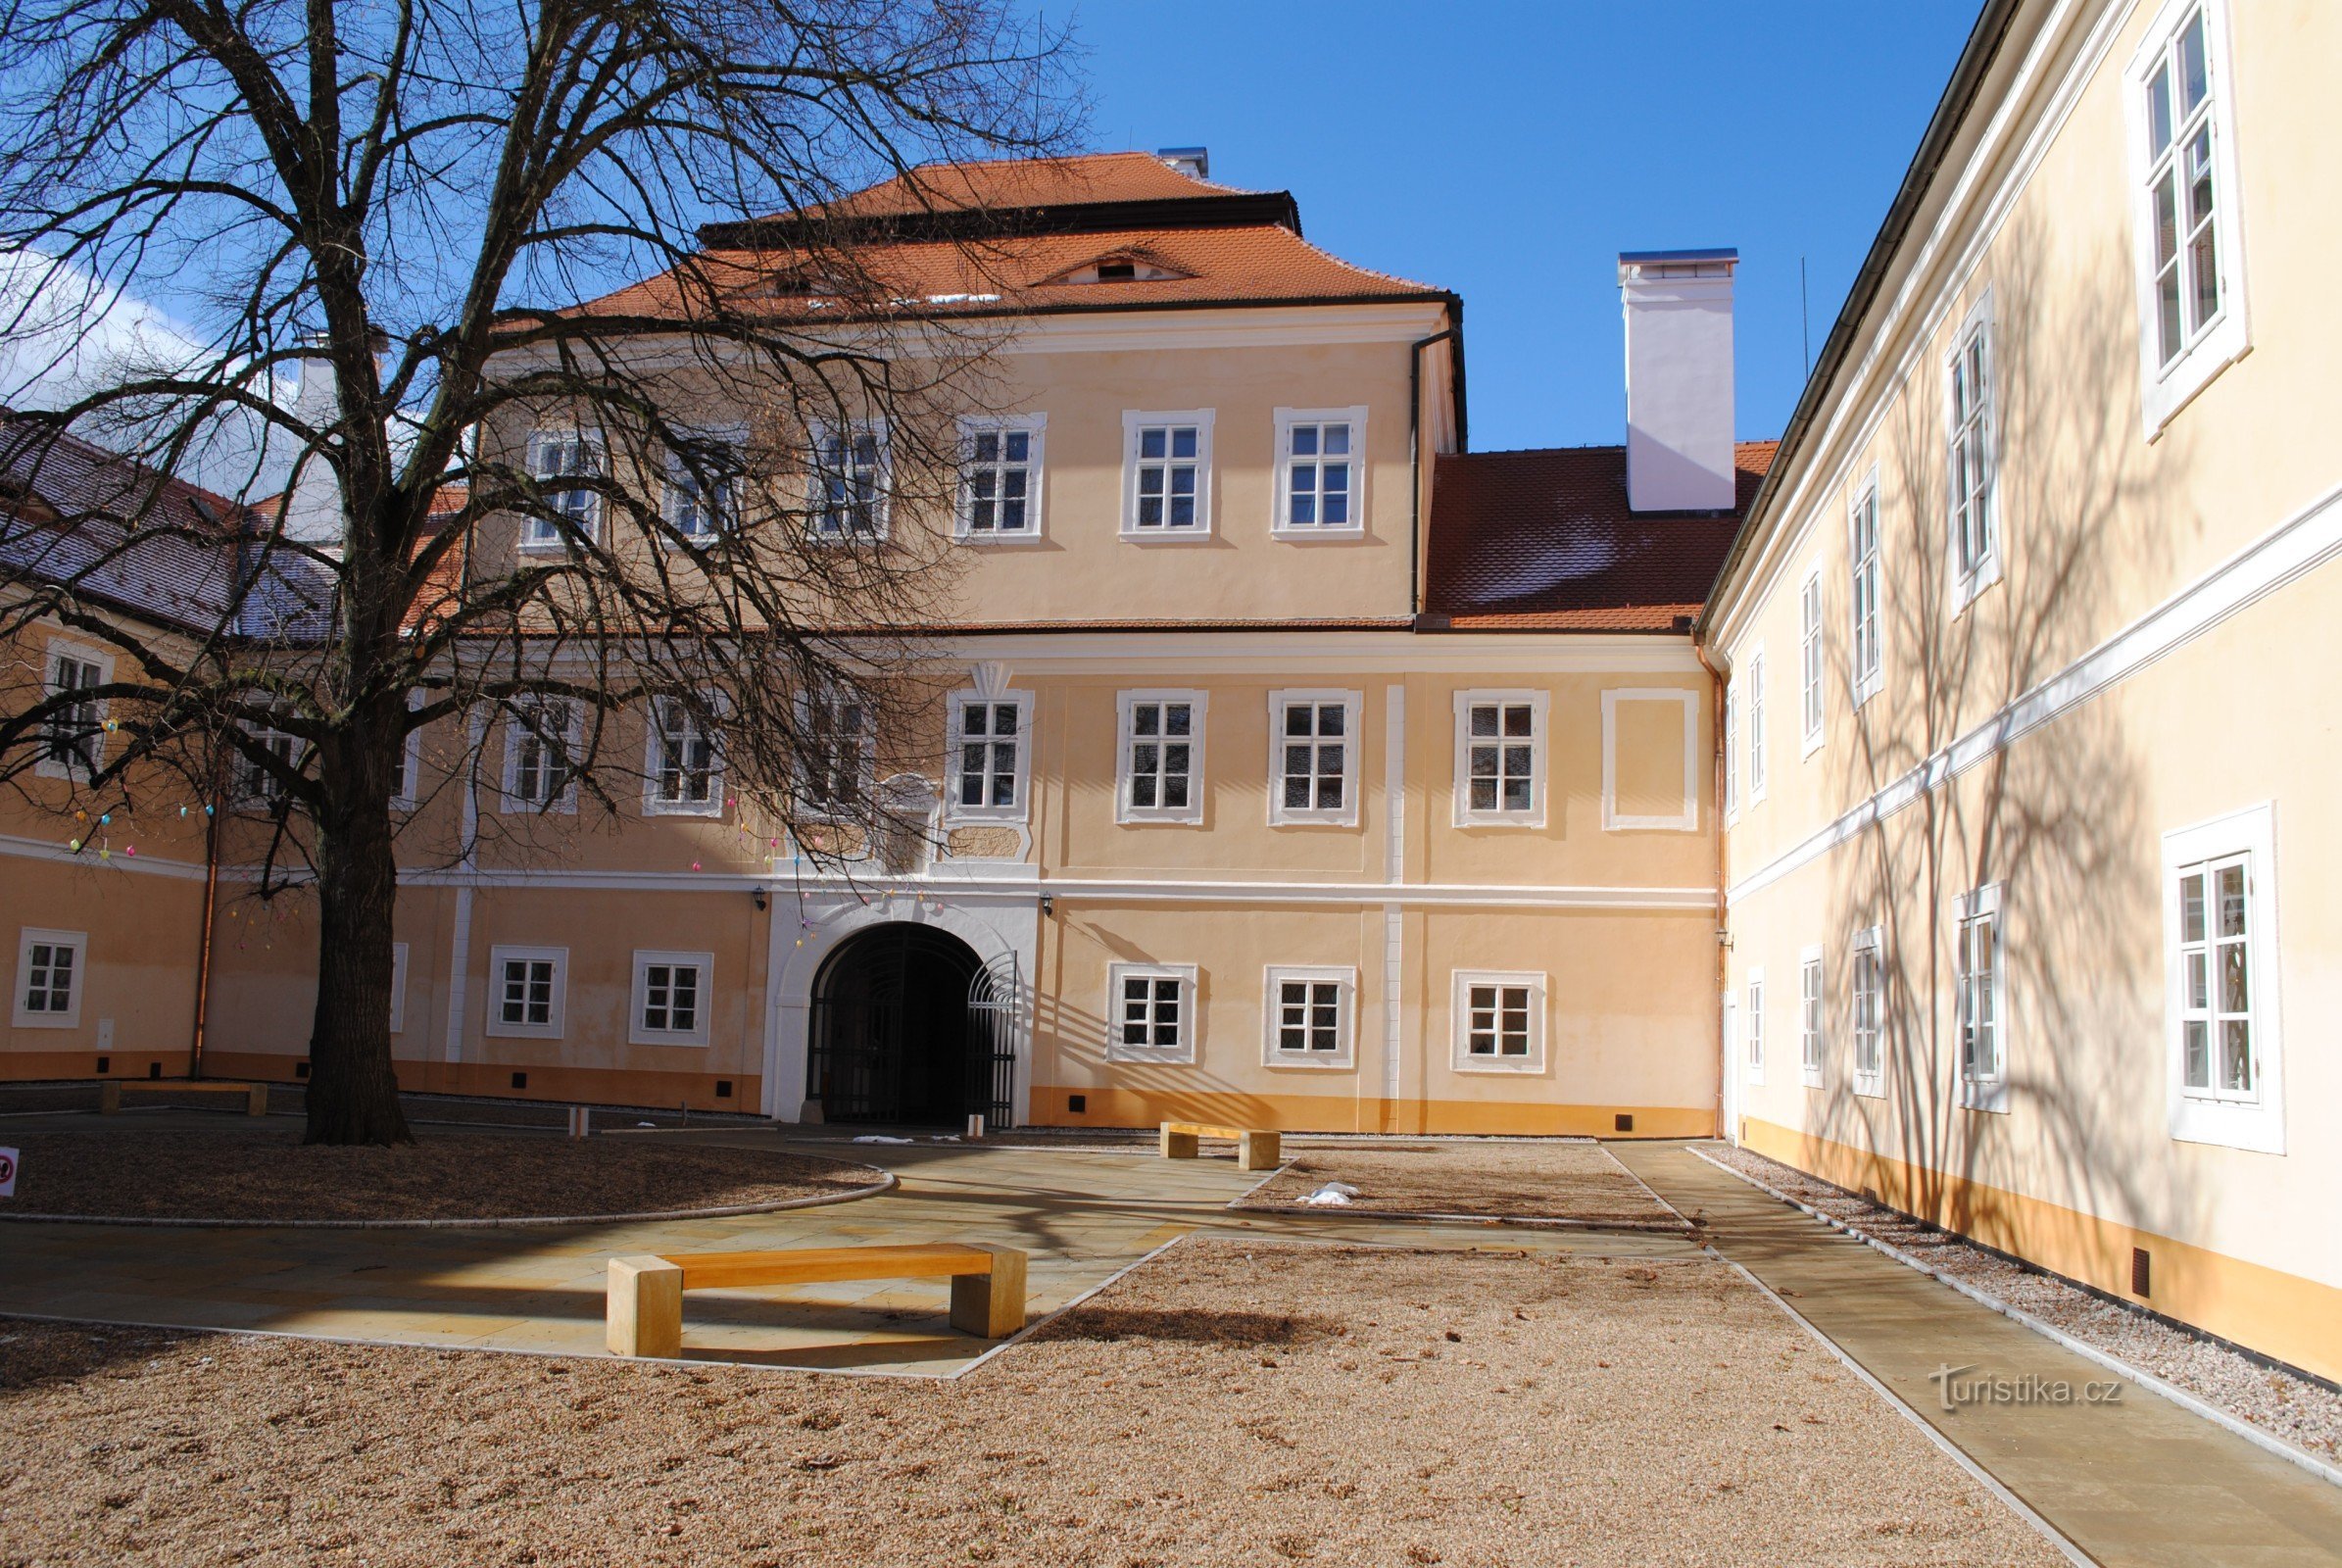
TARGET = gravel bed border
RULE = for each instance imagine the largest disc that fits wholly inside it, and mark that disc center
(507, 1222)
(2258, 1437)
(1551, 1222)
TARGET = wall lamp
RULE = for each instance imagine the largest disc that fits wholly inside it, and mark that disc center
(758, 895)
(1049, 908)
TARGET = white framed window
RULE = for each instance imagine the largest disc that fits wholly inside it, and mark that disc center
(257, 784)
(1321, 473)
(849, 483)
(1313, 757)
(1809, 662)
(1864, 661)
(683, 763)
(1001, 477)
(1980, 998)
(52, 968)
(990, 756)
(556, 459)
(1867, 959)
(2226, 1071)
(398, 988)
(527, 992)
(672, 996)
(1752, 1026)
(2189, 241)
(542, 740)
(1309, 1013)
(405, 784)
(1972, 456)
(1756, 726)
(1499, 1022)
(1613, 706)
(837, 753)
(702, 495)
(1150, 1012)
(74, 740)
(1731, 751)
(1166, 474)
(1159, 759)
(1500, 759)
(1812, 1016)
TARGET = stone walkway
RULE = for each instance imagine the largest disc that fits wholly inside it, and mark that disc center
(2135, 1482)
(1081, 1216)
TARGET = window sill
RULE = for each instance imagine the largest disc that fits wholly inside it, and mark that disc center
(1988, 1096)
(1865, 690)
(1467, 823)
(1871, 1088)
(1967, 590)
(1811, 747)
(1167, 536)
(48, 1020)
(1026, 536)
(1182, 1058)
(980, 816)
(711, 809)
(1332, 819)
(1812, 1078)
(643, 1037)
(515, 1031)
(1288, 1064)
(1526, 1068)
(1296, 534)
(2168, 390)
(2257, 1128)
(1131, 819)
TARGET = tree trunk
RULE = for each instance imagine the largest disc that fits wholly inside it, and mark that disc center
(352, 1089)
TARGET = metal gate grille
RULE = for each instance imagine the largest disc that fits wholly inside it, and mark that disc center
(993, 994)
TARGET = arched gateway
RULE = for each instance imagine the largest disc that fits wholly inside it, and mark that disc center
(907, 1025)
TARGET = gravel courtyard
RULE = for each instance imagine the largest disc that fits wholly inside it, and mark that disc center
(1542, 1180)
(1228, 1402)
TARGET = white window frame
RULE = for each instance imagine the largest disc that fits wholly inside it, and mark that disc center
(1970, 578)
(2165, 388)
(411, 763)
(398, 988)
(538, 535)
(58, 649)
(1125, 736)
(1539, 728)
(1036, 465)
(1813, 1015)
(1353, 708)
(1866, 585)
(1346, 1025)
(1134, 421)
(1981, 1090)
(638, 1033)
(30, 937)
(1613, 819)
(1189, 1022)
(253, 785)
(2198, 1116)
(654, 802)
(511, 801)
(1812, 656)
(817, 507)
(1752, 1025)
(825, 806)
(720, 507)
(1731, 752)
(1022, 811)
(500, 955)
(1459, 1021)
(1869, 941)
(1281, 524)
(1756, 726)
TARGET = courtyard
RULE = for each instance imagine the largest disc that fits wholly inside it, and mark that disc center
(1596, 1354)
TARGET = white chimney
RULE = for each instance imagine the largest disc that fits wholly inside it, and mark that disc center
(1679, 309)
(1193, 162)
(313, 505)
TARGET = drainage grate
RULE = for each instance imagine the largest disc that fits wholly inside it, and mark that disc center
(520, 1080)
(723, 1089)
(1624, 1121)
(2141, 1267)
(1077, 1104)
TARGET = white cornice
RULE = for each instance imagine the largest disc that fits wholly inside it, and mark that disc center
(1268, 652)
(86, 858)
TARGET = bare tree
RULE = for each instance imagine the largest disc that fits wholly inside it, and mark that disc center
(407, 197)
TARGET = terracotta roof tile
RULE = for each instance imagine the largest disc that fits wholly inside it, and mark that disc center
(1028, 182)
(1543, 541)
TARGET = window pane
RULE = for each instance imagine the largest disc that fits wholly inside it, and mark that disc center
(2234, 985)
(2236, 1055)
(2231, 892)
(2198, 1053)
(2191, 906)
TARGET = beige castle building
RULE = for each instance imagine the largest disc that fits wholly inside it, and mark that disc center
(1933, 805)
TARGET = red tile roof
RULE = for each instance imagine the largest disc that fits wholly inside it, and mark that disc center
(1055, 217)
(1543, 541)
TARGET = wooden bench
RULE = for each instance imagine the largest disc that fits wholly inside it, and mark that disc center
(1255, 1149)
(110, 1091)
(644, 1316)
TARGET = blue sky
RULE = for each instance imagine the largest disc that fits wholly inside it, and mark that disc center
(1510, 151)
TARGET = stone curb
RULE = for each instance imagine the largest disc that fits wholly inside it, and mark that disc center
(517, 1222)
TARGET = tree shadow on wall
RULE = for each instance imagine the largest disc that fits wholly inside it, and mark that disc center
(2060, 819)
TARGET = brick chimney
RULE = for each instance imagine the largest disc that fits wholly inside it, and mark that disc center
(1679, 312)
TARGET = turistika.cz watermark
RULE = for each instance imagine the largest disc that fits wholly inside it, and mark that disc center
(1958, 1386)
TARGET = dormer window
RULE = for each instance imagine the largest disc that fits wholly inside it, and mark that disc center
(1125, 267)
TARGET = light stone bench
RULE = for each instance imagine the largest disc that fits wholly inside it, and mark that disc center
(1255, 1149)
(644, 1314)
(110, 1091)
